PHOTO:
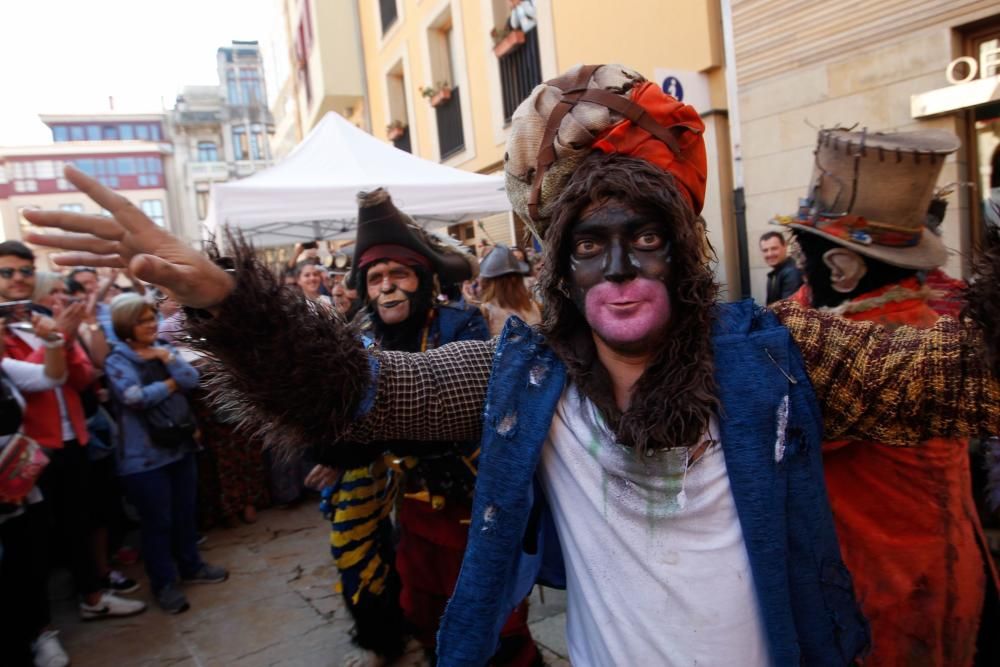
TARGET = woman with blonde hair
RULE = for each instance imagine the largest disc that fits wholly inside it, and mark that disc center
(501, 284)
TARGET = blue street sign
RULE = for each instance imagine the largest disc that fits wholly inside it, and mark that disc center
(672, 86)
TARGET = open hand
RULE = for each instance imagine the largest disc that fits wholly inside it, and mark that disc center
(130, 240)
(321, 476)
(69, 319)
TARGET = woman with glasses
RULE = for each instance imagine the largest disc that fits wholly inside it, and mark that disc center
(156, 460)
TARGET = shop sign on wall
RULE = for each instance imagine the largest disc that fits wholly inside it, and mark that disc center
(966, 69)
(974, 82)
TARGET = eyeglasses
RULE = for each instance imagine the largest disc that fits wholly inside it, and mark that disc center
(7, 273)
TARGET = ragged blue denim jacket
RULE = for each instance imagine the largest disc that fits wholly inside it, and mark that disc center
(771, 431)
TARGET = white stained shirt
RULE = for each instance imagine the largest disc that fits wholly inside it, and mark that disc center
(654, 576)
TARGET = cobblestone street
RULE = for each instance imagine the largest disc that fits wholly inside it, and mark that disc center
(278, 608)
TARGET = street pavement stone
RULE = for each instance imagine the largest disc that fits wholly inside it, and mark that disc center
(279, 607)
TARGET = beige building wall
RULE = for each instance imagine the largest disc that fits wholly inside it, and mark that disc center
(651, 34)
(315, 67)
(803, 65)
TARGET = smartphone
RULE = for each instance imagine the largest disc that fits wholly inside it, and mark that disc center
(16, 311)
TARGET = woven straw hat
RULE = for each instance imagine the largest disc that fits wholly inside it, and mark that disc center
(598, 107)
(870, 192)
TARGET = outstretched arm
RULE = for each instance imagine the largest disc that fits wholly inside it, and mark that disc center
(899, 387)
(299, 376)
(291, 371)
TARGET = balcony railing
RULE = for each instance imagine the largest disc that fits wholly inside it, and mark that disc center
(387, 8)
(208, 171)
(520, 72)
(198, 117)
(451, 139)
(403, 141)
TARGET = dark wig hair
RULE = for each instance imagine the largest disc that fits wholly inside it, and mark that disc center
(676, 396)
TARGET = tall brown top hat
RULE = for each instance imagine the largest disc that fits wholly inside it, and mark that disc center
(870, 192)
(386, 233)
(609, 108)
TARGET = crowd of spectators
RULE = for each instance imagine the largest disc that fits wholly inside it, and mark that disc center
(94, 395)
(105, 424)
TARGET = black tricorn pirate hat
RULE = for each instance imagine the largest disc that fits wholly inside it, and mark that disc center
(381, 223)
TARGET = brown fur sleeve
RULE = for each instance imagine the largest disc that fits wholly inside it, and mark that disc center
(295, 374)
(897, 387)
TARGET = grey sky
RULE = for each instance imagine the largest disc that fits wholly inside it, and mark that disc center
(69, 56)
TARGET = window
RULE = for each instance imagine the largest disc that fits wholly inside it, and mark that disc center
(60, 133)
(250, 88)
(45, 169)
(126, 166)
(201, 200)
(76, 133)
(207, 151)
(72, 208)
(232, 90)
(26, 185)
(63, 184)
(93, 133)
(257, 140)
(126, 132)
(154, 209)
(388, 13)
(240, 143)
(154, 132)
(109, 133)
(142, 132)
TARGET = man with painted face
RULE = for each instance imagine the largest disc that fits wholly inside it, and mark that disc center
(652, 450)
(906, 517)
(394, 590)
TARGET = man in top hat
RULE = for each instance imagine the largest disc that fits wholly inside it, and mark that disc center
(654, 451)
(399, 271)
(907, 522)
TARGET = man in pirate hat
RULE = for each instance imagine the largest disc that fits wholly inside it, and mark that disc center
(654, 451)
(397, 589)
(907, 522)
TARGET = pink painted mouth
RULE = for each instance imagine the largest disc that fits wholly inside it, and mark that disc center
(627, 312)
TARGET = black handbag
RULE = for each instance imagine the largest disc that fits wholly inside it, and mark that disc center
(170, 423)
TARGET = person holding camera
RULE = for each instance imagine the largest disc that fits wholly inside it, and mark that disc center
(156, 455)
(29, 638)
(55, 419)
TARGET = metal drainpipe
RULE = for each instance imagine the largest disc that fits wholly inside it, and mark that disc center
(736, 148)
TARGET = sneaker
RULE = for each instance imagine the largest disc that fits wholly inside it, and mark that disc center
(110, 606)
(171, 600)
(116, 582)
(207, 574)
(47, 650)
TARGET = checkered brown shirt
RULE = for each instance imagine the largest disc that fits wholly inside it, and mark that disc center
(897, 387)
(435, 395)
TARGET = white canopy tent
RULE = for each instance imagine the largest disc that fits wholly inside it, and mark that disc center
(311, 193)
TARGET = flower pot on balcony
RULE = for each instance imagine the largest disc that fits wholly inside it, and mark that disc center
(514, 39)
(394, 133)
(440, 97)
